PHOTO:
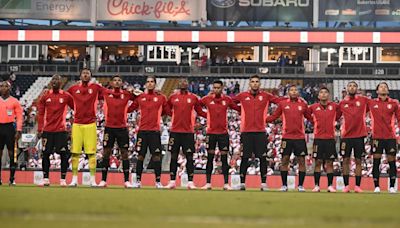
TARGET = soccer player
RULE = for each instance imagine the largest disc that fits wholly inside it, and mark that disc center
(254, 109)
(383, 111)
(324, 114)
(10, 112)
(183, 105)
(293, 110)
(84, 131)
(353, 131)
(116, 101)
(217, 106)
(52, 109)
(151, 105)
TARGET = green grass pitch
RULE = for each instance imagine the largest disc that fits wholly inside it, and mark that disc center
(31, 206)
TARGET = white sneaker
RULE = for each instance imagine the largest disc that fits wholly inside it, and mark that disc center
(377, 190)
(102, 184)
(316, 189)
(301, 188)
(12, 183)
(242, 187)
(284, 188)
(206, 187)
(191, 186)
(63, 183)
(73, 184)
(137, 184)
(331, 189)
(171, 185)
(159, 185)
(44, 183)
(128, 184)
(227, 187)
(264, 187)
(392, 190)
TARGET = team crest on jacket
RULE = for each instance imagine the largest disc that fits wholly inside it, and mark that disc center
(212, 102)
(330, 108)
(110, 95)
(61, 100)
(155, 99)
(90, 91)
(318, 109)
(358, 103)
(189, 100)
(78, 91)
(176, 100)
(300, 108)
(48, 100)
(389, 106)
(223, 103)
(376, 106)
(260, 98)
(143, 99)
(122, 96)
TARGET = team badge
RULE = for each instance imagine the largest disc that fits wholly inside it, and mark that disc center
(61, 100)
(90, 91)
(247, 98)
(189, 100)
(176, 100)
(122, 96)
(287, 107)
(78, 91)
(358, 103)
(318, 109)
(300, 108)
(143, 99)
(330, 108)
(155, 99)
(224, 103)
(389, 106)
(110, 95)
(212, 102)
(260, 98)
(48, 100)
(376, 106)
(346, 105)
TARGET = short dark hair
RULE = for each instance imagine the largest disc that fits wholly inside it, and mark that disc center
(352, 82)
(218, 82)
(116, 76)
(380, 83)
(255, 76)
(85, 68)
(153, 77)
(324, 88)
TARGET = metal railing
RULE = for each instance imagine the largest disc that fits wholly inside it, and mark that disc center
(308, 70)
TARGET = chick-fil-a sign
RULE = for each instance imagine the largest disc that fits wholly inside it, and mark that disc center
(122, 10)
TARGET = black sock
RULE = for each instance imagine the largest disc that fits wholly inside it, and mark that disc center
(46, 165)
(330, 178)
(392, 173)
(317, 176)
(302, 176)
(376, 171)
(13, 167)
(64, 165)
(225, 168)
(173, 166)
(284, 175)
(157, 170)
(346, 180)
(263, 169)
(189, 166)
(209, 168)
(139, 170)
(104, 171)
(243, 170)
(125, 168)
(358, 181)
